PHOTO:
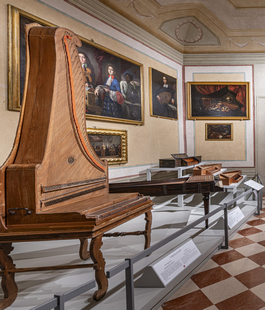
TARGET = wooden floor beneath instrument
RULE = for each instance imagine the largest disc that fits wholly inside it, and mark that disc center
(35, 288)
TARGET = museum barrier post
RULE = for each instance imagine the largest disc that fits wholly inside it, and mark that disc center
(58, 302)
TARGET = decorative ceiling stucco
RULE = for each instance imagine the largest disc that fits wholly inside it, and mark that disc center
(189, 31)
(196, 26)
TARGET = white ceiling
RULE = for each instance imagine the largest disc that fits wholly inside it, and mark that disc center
(197, 26)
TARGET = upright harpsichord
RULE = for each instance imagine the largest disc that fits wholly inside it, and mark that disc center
(53, 185)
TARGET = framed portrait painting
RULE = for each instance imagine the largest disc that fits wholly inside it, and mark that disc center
(17, 19)
(219, 132)
(163, 95)
(113, 88)
(213, 100)
(109, 144)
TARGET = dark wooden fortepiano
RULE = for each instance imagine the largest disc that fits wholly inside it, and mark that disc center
(53, 186)
(180, 186)
(189, 185)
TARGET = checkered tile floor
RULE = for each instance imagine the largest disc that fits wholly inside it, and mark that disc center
(233, 279)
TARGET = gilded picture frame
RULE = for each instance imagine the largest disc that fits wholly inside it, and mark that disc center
(218, 100)
(119, 99)
(114, 85)
(163, 95)
(219, 132)
(17, 53)
(109, 144)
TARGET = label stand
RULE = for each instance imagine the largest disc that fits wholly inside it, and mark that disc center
(253, 184)
(234, 217)
(166, 268)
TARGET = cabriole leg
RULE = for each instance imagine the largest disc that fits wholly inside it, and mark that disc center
(98, 259)
(147, 233)
(8, 278)
(83, 252)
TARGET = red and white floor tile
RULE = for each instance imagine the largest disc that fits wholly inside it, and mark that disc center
(233, 279)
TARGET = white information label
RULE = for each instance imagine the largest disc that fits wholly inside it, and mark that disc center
(254, 185)
(170, 266)
(234, 217)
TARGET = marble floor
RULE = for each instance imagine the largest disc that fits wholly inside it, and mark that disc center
(224, 277)
(232, 279)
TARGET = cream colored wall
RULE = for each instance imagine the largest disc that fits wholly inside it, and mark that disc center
(238, 153)
(220, 150)
(158, 138)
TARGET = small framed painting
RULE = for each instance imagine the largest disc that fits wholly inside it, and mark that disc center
(109, 144)
(219, 132)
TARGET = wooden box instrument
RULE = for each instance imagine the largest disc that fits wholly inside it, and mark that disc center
(200, 178)
(198, 157)
(178, 160)
(172, 162)
(53, 186)
(169, 162)
(207, 169)
(180, 155)
(230, 177)
(189, 161)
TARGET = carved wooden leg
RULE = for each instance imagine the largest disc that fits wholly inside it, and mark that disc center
(206, 200)
(8, 278)
(83, 252)
(98, 259)
(147, 233)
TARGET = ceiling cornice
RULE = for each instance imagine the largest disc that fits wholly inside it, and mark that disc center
(246, 4)
(240, 47)
(223, 59)
(237, 30)
(117, 21)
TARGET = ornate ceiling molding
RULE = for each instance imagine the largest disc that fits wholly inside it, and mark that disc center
(189, 30)
(246, 4)
(213, 28)
(224, 59)
(197, 37)
(114, 19)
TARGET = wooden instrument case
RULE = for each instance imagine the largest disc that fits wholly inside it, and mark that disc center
(230, 177)
(207, 169)
(178, 161)
(53, 186)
